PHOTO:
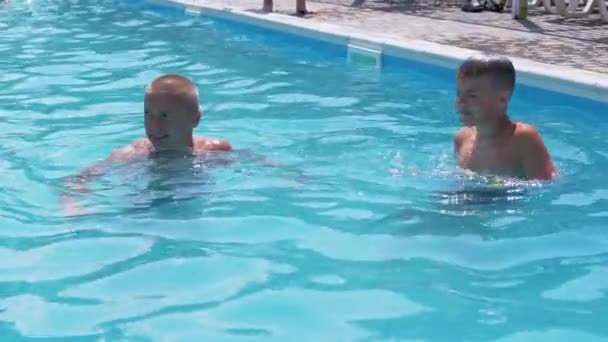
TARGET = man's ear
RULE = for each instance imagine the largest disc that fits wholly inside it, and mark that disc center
(197, 118)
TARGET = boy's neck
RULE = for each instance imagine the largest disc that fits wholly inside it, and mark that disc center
(496, 129)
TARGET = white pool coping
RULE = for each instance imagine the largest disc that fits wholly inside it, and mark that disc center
(562, 79)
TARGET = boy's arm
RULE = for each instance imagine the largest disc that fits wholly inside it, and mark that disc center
(537, 163)
(458, 140)
(460, 137)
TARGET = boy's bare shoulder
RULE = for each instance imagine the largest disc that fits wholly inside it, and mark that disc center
(134, 149)
(463, 134)
(535, 155)
(526, 135)
(210, 145)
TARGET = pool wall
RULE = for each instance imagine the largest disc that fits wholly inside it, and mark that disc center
(570, 84)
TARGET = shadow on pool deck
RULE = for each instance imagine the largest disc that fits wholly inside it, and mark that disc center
(589, 28)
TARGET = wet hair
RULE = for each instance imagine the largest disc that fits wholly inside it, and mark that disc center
(499, 68)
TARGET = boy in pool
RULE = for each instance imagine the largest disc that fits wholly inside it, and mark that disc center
(171, 112)
(491, 142)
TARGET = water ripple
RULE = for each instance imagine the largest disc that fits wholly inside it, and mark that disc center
(341, 207)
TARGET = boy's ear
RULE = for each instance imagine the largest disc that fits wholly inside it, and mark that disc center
(505, 97)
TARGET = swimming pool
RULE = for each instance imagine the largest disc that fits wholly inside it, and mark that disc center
(346, 240)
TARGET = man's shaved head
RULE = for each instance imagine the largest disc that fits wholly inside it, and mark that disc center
(171, 111)
(176, 86)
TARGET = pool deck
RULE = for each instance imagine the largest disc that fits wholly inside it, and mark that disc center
(574, 48)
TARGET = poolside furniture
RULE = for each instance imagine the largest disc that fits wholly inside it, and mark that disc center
(570, 9)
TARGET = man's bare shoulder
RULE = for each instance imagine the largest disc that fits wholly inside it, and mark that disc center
(203, 144)
(135, 149)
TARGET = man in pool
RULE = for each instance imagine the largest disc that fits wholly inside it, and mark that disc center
(171, 112)
(491, 142)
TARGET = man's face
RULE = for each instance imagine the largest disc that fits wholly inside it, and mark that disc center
(169, 120)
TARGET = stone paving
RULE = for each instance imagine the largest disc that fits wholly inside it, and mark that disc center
(577, 42)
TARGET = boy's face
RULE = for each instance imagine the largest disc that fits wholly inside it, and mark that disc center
(478, 100)
(170, 119)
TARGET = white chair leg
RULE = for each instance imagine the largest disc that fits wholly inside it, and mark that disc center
(559, 8)
(572, 10)
(603, 6)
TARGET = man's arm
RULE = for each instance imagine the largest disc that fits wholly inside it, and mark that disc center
(217, 145)
(536, 161)
(78, 184)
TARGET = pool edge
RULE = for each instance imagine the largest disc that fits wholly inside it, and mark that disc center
(561, 79)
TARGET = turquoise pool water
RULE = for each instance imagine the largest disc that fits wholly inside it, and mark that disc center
(347, 240)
